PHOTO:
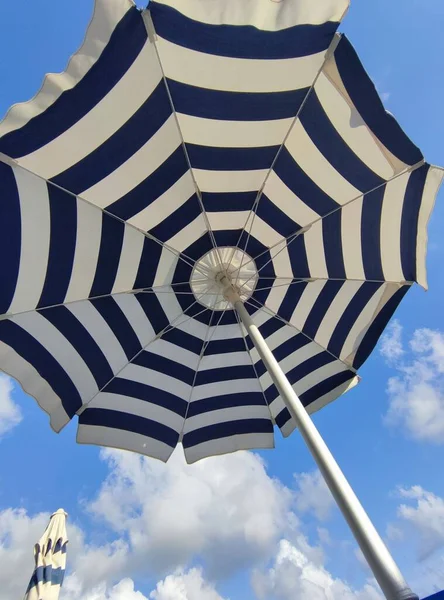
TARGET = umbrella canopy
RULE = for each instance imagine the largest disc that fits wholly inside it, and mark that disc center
(50, 560)
(186, 142)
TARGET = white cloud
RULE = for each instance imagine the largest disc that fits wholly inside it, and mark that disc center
(10, 414)
(426, 517)
(313, 495)
(295, 574)
(185, 586)
(390, 345)
(227, 509)
(416, 394)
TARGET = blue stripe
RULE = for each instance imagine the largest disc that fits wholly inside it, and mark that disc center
(82, 341)
(174, 369)
(350, 315)
(301, 185)
(375, 330)
(233, 373)
(225, 346)
(226, 201)
(231, 159)
(47, 366)
(153, 310)
(10, 236)
(409, 221)
(149, 262)
(199, 407)
(184, 340)
(109, 256)
(325, 387)
(229, 429)
(338, 153)
(151, 188)
(332, 238)
(283, 417)
(43, 575)
(114, 419)
(275, 217)
(320, 307)
(117, 57)
(271, 326)
(367, 102)
(147, 393)
(371, 234)
(63, 236)
(119, 324)
(175, 222)
(291, 300)
(235, 106)
(241, 41)
(292, 345)
(121, 146)
(298, 257)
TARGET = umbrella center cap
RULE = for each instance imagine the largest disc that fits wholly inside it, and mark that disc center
(221, 271)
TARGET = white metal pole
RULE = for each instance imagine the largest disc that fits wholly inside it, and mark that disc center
(375, 551)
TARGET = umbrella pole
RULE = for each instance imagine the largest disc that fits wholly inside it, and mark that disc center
(375, 551)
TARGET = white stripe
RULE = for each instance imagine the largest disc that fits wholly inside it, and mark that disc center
(101, 122)
(269, 16)
(225, 415)
(170, 306)
(137, 168)
(136, 318)
(157, 380)
(306, 303)
(227, 359)
(232, 220)
(139, 408)
(391, 218)
(349, 124)
(193, 327)
(281, 195)
(222, 73)
(233, 443)
(129, 260)
(34, 385)
(86, 256)
(317, 167)
(101, 332)
(223, 388)
(229, 181)
(233, 134)
(433, 182)
(166, 204)
(351, 225)
(35, 236)
(317, 376)
(314, 246)
(175, 353)
(62, 351)
(123, 440)
(106, 16)
(268, 236)
(165, 270)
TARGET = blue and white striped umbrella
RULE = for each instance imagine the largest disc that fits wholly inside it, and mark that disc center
(185, 142)
(50, 560)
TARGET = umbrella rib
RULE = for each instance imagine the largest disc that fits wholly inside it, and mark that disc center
(254, 209)
(148, 27)
(276, 316)
(254, 366)
(154, 290)
(167, 329)
(289, 239)
(202, 352)
(313, 279)
(180, 255)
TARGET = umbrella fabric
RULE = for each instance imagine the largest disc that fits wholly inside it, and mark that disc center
(194, 138)
(50, 560)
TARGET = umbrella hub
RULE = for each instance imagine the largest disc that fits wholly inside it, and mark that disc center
(222, 275)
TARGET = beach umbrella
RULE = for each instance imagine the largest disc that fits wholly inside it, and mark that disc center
(206, 222)
(50, 560)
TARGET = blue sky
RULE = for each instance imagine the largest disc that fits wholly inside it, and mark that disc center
(402, 46)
